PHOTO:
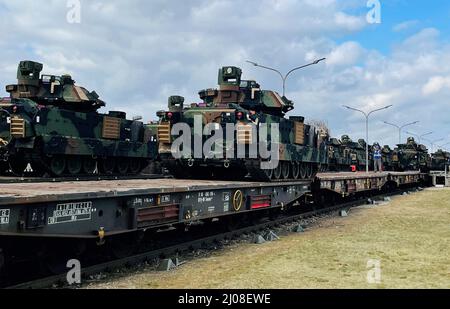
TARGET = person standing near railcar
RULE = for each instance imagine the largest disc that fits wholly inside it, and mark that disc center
(377, 158)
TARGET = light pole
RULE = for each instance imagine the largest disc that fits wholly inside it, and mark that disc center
(442, 146)
(432, 143)
(367, 115)
(400, 128)
(419, 136)
(284, 77)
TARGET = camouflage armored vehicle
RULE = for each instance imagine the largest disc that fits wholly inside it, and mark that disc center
(339, 156)
(250, 112)
(411, 157)
(386, 157)
(53, 124)
(356, 150)
(440, 159)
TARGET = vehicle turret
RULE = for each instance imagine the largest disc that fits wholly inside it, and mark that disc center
(53, 90)
(246, 93)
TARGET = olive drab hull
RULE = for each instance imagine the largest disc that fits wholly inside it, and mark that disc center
(62, 142)
(440, 160)
(299, 151)
(411, 156)
(344, 153)
(62, 135)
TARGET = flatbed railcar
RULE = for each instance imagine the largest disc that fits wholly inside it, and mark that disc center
(67, 214)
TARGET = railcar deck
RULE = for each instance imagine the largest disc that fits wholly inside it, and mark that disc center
(102, 208)
(347, 183)
(19, 193)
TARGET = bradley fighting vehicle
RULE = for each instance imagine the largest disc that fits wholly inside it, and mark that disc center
(440, 160)
(411, 157)
(53, 124)
(386, 157)
(356, 151)
(300, 148)
(340, 156)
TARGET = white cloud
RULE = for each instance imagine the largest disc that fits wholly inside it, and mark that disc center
(136, 53)
(436, 84)
(406, 25)
(346, 54)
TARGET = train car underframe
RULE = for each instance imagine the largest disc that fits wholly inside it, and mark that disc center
(48, 220)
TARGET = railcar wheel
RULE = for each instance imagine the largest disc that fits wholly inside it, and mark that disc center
(74, 165)
(89, 166)
(122, 166)
(17, 166)
(303, 170)
(277, 172)
(285, 170)
(2, 262)
(123, 246)
(57, 165)
(295, 170)
(107, 166)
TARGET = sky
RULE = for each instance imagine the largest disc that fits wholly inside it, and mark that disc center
(136, 53)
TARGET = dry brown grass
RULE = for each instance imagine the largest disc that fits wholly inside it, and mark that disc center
(410, 236)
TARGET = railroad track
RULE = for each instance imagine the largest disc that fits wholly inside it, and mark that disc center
(60, 280)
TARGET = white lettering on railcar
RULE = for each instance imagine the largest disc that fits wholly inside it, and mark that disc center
(72, 212)
(4, 216)
(205, 197)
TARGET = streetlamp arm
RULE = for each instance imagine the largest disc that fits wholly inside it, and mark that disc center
(379, 109)
(409, 124)
(355, 109)
(391, 124)
(303, 66)
(267, 68)
(429, 133)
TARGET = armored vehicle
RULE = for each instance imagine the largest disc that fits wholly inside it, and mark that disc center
(440, 160)
(53, 124)
(386, 157)
(356, 150)
(255, 136)
(411, 156)
(339, 156)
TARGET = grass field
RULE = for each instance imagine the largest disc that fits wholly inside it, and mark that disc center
(410, 237)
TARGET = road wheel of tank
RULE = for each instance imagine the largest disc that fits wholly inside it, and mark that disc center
(107, 166)
(89, 166)
(57, 165)
(303, 170)
(285, 170)
(17, 166)
(122, 166)
(268, 173)
(74, 165)
(135, 166)
(277, 172)
(309, 170)
(295, 170)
